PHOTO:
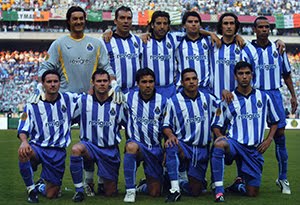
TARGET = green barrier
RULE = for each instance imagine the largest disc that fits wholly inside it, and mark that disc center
(13, 123)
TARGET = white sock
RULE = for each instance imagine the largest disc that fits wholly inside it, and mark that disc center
(175, 185)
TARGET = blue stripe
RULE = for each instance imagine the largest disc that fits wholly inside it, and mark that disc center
(106, 113)
(123, 65)
(84, 117)
(94, 127)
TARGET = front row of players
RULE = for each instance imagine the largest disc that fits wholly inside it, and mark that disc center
(185, 120)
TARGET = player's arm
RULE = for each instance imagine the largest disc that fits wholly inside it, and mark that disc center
(168, 124)
(214, 38)
(268, 140)
(172, 139)
(25, 150)
(289, 83)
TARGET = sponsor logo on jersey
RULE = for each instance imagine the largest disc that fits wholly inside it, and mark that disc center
(249, 116)
(100, 123)
(196, 57)
(160, 57)
(55, 123)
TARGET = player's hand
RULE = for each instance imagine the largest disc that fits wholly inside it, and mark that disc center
(145, 37)
(171, 141)
(107, 35)
(215, 40)
(294, 104)
(240, 41)
(281, 46)
(227, 96)
(118, 95)
(25, 150)
(38, 92)
(264, 145)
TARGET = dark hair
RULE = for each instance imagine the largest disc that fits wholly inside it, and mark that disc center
(259, 18)
(143, 72)
(157, 14)
(122, 8)
(47, 72)
(188, 70)
(71, 10)
(236, 21)
(191, 13)
(100, 72)
(242, 64)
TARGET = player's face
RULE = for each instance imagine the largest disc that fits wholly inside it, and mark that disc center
(190, 82)
(51, 84)
(101, 84)
(262, 29)
(228, 26)
(146, 86)
(160, 27)
(77, 22)
(192, 25)
(124, 21)
(244, 77)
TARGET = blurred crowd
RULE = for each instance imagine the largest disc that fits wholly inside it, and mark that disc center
(18, 78)
(240, 7)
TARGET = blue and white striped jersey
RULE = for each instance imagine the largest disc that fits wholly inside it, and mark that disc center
(247, 116)
(99, 123)
(223, 61)
(189, 119)
(49, 124)
(196, 55)
(144, 119)
(125, 54)
(159, 56)
(269, 65)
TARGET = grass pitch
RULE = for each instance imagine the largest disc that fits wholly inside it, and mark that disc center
(12, 188)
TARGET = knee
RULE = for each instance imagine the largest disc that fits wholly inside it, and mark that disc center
(154, 192)
(77, 149)
(131, 148)
(52, 192)
(110, 188)
(252, 191)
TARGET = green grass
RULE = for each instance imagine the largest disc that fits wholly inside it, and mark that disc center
(12, 188)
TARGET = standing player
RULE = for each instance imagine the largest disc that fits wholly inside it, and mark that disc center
(244, 142)
(187, 127)
(269, 67)
(48, 125)
(76, 57)
(124, 49)
(145, 113)
(194, 50)
(100, 120)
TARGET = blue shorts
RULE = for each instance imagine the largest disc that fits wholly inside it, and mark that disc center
(249, 161)
(198, 160)
(152, 158)
(168, 90)
(53, 163)
(107, 160)
(276, 98)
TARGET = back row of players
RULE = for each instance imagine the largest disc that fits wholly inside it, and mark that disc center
(177, 60)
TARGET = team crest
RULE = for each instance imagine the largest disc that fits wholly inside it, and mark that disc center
(169, 45)
(205, 46)
(112, 112)
(157, 110)
(275, 54)
(136, 45)
(89, 47)
(237, 51)
(259, 104)
(24, 116)
(63, 108)
(204, 106)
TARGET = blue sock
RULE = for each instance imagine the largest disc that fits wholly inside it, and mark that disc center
(185, 188)
(281, 156)
(172, 162)
(129, 170)
(217, 162)
(76, 169)
(26, 173)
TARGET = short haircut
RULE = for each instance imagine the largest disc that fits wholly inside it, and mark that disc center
(100, 72)
(157, 14)
(242, 64)
(236, 21)
(122, 8)
(48, 72)
(71, 10)
(190, 13)
(144, 72)
(259, 18)
(188, 70)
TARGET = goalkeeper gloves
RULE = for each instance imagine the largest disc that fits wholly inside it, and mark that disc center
(35, 96)
(118, 96)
